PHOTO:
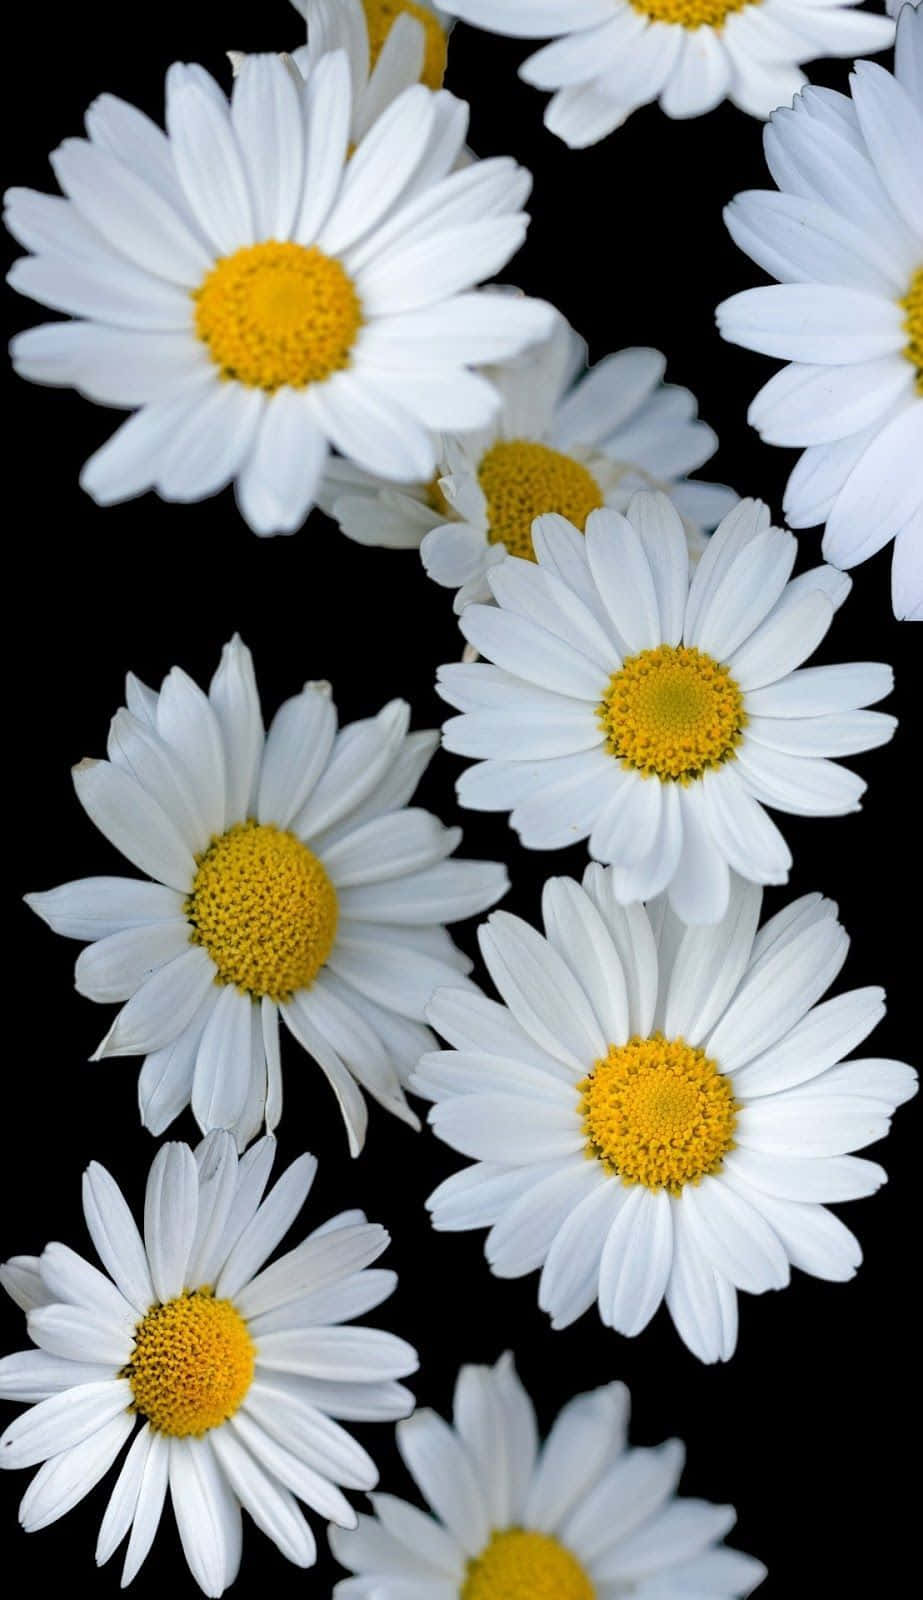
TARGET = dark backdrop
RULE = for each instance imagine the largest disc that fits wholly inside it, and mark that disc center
(807, 1429)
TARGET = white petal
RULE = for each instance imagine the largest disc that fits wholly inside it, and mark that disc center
(266, 1227)
(435, 1456)
(134, 823)
(116, 1238)
(170, 1213)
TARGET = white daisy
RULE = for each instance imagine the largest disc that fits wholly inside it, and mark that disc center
(611, 56)
(565, 440)
(259, 294)
(579, 1518)
(845, 238)
(895, 7)
(290, 879)
(235, 1370)
(657, 717)
(659, 1111)
(390, 44)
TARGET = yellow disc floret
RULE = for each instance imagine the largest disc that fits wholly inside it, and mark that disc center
(658, 1112)
(521, 480)
(913, 305)
(671, 713)
(380, 16)
(278, 313)
(519, 1564)
(264, 909)
(691, 13)
(192, 1364)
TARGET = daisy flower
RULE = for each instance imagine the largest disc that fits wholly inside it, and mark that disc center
(259, 294)
(290, 879)
(608, 57)
(389, 44)
(579, 1518)
(844, 235)
(565, 440)
(655, 716)
(235, 1370)
(657, 1111)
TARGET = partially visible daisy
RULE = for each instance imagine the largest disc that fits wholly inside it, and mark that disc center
(620, 703)
(390, 44)
(895, 7)
(234, 1369)
(579, 1518)
(259, 293)
(566, 440)
(611, 56)
(291, 879)
(845, 238)
(659, 1112)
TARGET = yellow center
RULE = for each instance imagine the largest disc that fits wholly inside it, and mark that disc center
(691, 13)
(657, 1111)
(274, 314)
(522, 480)
(518, 1564)
(192, 1364)
(264, 909)
(671, 713)
(379, 17)
(913, 305)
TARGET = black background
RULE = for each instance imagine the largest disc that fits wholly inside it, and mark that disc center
(806, 1430)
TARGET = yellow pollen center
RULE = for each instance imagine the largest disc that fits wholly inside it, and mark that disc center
(380, 16)
(671, 713)
(276, 313)
(691, 13)
(264, 909)
(518, 1564)
(192, 1364)
(913, 305)
(522, 480)
(657, 1111)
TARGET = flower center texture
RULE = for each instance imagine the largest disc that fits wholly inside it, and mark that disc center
(192, 1364)
(913, 305)
(264, 909)
(691, 13)
(657, 1111)
(276, 313)
(518, 1564)
(522, 480)
(380, 16)
(671, 713)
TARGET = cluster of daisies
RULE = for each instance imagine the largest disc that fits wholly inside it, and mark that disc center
(285, 290)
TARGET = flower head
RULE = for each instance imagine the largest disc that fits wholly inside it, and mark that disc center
(659, 1112)
(581, 1517)
(566, 441)
(290, 879)
(258, 293)
(656, 715)
(844, 236)
(608, 57)
(234, 1370)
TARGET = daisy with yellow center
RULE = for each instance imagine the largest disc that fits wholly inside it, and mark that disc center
(291, 880)
(657, 1112)
(221, 1359)
(261, 303)
(580, 1517)
(567, 441)
(850, 327)
(608, 57)
(654, 711)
